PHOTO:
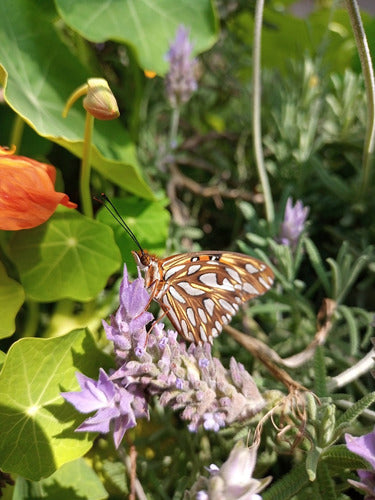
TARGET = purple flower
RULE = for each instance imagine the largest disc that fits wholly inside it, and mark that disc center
(233, 479)
(116, 407)
(158, 364)
(293, 224)
(364, 446)
(180, 81)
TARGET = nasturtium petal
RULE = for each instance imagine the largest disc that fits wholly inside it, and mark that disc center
(37, 425)
(11, 298)
(70, 256)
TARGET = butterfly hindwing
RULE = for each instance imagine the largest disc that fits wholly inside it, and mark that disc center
(202, 291)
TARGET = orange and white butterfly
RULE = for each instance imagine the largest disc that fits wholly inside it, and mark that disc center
(200, 291)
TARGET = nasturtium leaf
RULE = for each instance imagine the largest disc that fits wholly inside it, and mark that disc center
(149, 221)
(69, 256)
(11, 299)
(37, 424)
(149, 27)
(75, 480)
(39, 73)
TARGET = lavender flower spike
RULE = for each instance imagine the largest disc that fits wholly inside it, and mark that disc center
(180, 81)
(189, 380)
(294, 223)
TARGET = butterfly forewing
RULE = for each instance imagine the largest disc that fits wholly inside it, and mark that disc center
(200, 292)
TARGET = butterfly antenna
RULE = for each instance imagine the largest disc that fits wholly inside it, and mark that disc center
(104, 200)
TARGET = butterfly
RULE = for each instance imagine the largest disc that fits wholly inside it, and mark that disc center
(200, 291)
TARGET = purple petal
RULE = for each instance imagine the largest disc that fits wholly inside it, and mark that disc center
(364, 446)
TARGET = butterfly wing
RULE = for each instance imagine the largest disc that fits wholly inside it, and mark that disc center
(202, 291)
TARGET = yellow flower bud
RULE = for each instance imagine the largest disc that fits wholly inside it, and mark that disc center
(99, 101)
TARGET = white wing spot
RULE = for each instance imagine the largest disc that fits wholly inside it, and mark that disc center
(210, 279)
(191, 316)
(190, 290)
(209, 304)
(227, 306)
(214, 332)
(264, 283)
(202, 314)
(190, 336)
(224, 319)
(172, 271)
(170, 313)
(193, 269)
(184, 327)
(218, 326)
(175, 294)
(250, 289)
(251, 269)
(202, 334)
(233, 274)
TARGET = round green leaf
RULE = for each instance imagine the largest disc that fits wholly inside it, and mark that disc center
(37, 424)
(149, 27)
(69, 256)
(39, 73)
(11, 299)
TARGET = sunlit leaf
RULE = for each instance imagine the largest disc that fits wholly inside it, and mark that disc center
(148, 27)
(75, 480)
(37, 425)
(70, 256)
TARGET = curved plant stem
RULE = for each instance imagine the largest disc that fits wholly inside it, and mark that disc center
(175, 119)
(257, 126)
(17, 132)
(86, 168)
(368, 74)
(32, 319)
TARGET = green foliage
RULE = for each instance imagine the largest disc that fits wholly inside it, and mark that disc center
(126, 23)
(37, 424)
(11, 299)
(73, 480)
(56, 260)
(190, 188)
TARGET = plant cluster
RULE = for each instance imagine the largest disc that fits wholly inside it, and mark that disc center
(99, 396)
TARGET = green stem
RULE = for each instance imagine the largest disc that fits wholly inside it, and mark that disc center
(86, 168)
(175, 120)
(256, 101)
(17, 132)
(368, 74)
(32, 319)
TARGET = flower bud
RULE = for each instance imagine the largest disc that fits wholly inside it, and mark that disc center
(99, 101)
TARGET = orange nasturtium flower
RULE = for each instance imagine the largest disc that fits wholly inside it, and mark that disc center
(27, 193)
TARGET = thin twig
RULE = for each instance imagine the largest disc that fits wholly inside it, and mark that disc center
(363, 366)
(267, 356)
